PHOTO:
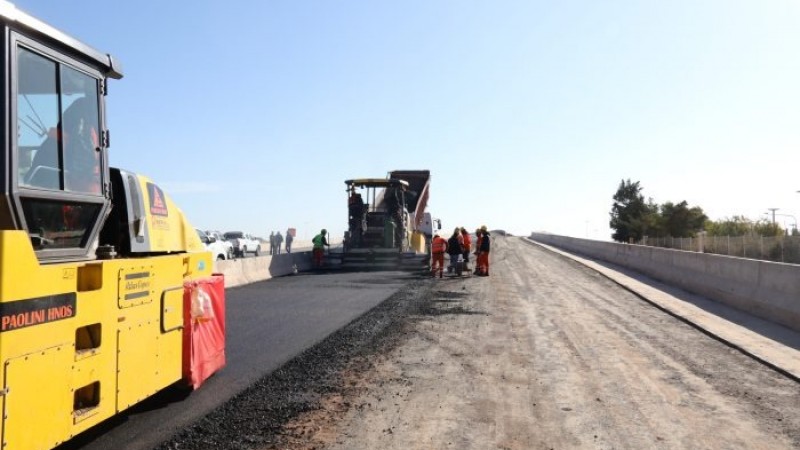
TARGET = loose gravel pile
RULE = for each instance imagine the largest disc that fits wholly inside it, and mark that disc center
(255, 418)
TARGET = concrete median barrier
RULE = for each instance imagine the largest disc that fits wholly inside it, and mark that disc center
(250, 270)
(762, 288)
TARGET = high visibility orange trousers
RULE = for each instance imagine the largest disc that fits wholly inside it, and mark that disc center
(437, 260)
(483, 263)
(317, 253)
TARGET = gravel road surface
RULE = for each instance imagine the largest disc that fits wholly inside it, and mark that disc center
(545, 354)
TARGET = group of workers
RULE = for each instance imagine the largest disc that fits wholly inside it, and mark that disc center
(275, 242)
(460, 244)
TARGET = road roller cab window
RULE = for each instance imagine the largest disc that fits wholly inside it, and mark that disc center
(57, 126)
(60, 169)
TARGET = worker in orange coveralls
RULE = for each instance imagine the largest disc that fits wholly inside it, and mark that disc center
(467, 244)
(483, 253)
(438, 249)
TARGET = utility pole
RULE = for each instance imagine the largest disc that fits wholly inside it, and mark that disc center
(773, 214)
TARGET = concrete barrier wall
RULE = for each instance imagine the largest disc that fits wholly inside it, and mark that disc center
(300, 245)
(765, 289)
(249, 270)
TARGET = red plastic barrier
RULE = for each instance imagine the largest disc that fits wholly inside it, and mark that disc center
(203, 329)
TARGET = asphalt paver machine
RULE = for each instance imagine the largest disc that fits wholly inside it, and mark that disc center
(384, 220)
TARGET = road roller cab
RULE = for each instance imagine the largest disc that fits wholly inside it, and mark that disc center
(55, 182)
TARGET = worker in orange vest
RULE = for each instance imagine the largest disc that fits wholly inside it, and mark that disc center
(478, 236)
(438, 249)
(483, 253)
(467, 244)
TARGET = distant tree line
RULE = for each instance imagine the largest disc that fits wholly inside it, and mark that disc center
(632, 218)
(742, 226)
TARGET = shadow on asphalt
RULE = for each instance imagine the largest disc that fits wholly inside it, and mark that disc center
(433, 310)
(171, 394)
(408, 274)
(450, 294)
(442, 303)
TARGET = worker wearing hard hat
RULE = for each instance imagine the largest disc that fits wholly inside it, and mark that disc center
(484, 246)
(319, 242)
(467, 244)
(438, 249)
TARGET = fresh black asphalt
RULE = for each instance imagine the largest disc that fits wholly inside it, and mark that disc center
(268, 323)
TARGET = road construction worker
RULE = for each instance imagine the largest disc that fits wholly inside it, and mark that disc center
(289, 239)
(455, 248)
(357, 222)
(438, 248)
(478, 236)
(77, 134)
(278, 242)
(483, 255)
(467, 243)
(319, 242)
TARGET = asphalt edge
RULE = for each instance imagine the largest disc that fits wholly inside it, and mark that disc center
(402, 302)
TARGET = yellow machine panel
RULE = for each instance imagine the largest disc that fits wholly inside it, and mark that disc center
(167, 227)
(418, 242)
(34, 396)
(82, 341)
(135, 286)
(172, 309)
(137, 364)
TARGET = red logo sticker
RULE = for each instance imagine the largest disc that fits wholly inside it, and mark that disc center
(158, 207)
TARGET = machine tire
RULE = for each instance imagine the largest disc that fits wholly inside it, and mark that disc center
(258, 250)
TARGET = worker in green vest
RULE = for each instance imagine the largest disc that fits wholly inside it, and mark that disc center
(319, 242)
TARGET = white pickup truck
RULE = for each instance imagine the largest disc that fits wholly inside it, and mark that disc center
(243, 243)
(220, 249)
(219, 237)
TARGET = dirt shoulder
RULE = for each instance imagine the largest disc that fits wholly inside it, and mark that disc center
(546, 353)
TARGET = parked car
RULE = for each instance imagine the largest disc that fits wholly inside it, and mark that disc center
(221, 238)
(219, 249)
(243, 243)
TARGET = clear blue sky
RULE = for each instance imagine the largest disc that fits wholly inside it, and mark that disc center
(251, 114)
